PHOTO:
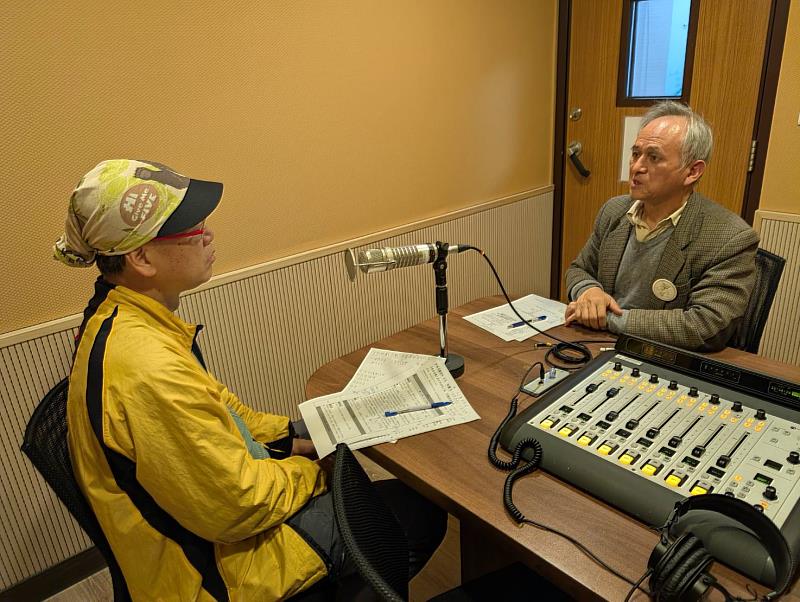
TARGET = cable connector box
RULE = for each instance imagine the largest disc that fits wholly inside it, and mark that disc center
(537, 386)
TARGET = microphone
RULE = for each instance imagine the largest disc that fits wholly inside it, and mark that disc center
(389, 258)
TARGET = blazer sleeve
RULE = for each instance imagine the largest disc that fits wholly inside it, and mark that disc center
(717, 300)
(582, 272)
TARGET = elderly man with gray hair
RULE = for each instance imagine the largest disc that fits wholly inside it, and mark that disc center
(664, 262)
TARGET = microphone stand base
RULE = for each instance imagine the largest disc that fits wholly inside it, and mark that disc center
(455, 364)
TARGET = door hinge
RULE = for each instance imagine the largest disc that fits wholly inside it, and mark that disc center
(752, 155)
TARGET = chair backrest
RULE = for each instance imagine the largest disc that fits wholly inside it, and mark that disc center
(371, 533)
(769, 268)
(45, 443)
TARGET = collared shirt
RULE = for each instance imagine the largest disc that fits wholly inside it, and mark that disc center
(635, 216)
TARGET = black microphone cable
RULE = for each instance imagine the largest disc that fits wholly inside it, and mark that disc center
(571, 355)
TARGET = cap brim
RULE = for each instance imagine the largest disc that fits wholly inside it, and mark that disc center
(198, 203)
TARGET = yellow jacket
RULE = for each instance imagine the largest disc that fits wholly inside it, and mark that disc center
(188, 512)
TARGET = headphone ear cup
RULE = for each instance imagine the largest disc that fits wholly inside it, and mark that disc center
(678, 563)
(673, 552)
(679, 586)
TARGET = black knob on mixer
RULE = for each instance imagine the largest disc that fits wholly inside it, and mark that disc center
(737, 406)
(654, 378)
(794, 457)
(693, 392)
(760, 414)
(714, 399)
(673, 384)
(770, 493)
(618, 366)
(635, 372)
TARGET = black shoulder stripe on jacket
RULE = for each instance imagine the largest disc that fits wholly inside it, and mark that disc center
(198, 551)
(196, 348)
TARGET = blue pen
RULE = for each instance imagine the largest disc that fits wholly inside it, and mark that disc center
(437, 404)
(536, 319)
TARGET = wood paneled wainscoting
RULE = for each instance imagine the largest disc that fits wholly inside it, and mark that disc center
(780, 234)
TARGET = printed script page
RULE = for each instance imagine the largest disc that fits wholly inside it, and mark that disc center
(406, 386)
(543, 314)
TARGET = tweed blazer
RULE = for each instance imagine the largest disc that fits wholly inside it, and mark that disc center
(710, 258)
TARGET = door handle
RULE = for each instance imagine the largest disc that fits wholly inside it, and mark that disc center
(574, 150)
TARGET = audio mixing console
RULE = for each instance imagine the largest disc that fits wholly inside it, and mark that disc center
(646, 425)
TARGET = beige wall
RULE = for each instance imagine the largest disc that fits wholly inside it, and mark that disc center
(325, 119)
(781, 188)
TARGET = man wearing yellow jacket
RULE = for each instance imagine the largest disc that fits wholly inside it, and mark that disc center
(199, 496)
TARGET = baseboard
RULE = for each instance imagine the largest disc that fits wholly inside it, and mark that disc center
(57, 578)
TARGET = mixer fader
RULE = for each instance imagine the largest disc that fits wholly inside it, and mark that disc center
(646, 425)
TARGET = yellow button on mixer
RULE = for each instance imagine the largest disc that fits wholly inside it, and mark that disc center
(586, 439)
(547, 423)
(628, 457)
(652, 467)
(697, 490)
(608, 447)
(673, 480)
(566, 431)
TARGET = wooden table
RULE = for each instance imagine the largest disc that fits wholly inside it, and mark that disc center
(450, 467)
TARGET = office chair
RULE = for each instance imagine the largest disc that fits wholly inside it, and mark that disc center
(371, 533)
(769, 268)
(376, 541)
(45, 443)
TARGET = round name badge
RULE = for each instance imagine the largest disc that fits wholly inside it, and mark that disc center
(664, 289)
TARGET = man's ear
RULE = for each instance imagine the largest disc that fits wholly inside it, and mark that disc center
(696, 170)
(139, 261)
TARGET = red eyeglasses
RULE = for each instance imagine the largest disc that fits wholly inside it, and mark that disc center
(198, 232)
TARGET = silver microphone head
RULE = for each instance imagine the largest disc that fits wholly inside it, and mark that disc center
(388, 258)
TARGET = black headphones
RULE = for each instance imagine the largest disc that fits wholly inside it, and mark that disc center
(680, 563)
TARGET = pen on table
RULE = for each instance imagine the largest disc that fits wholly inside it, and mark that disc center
(536, 319)
(437, 404)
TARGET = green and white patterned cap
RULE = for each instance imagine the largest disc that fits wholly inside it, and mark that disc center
(123, 204)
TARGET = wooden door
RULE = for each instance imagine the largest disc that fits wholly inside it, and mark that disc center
(729, 53)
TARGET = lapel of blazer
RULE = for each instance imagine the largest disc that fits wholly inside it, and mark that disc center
(612, 249)
(674, 256)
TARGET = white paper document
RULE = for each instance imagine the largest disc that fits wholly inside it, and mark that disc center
(387, 381)
(541, 312)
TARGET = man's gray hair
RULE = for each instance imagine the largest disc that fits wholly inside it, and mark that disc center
(697, 142)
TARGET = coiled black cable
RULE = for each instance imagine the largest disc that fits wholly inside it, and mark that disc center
(532, 465)
(514, 464)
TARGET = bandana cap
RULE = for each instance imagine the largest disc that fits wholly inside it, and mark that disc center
(123, 204)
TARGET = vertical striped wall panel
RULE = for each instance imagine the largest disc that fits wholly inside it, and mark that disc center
(37, 531)
(780, 234)
(266, 333)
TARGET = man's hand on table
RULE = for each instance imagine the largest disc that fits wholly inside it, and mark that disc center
(590, 309)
